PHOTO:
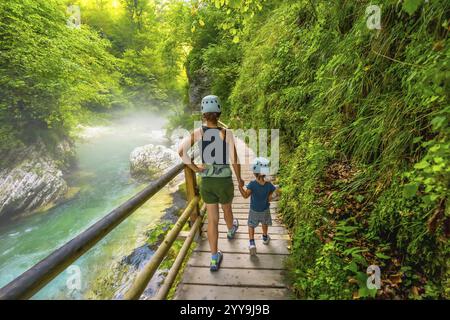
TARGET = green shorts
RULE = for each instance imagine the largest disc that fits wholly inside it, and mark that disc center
(217, 190)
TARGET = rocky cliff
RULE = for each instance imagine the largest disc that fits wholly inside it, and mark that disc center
(32, 178)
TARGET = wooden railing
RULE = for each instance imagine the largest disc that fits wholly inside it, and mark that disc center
(35, 278)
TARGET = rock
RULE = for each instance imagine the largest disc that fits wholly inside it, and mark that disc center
(199, 87)
(179, 202)
(31, 179)
(138, 257)
(152, 161)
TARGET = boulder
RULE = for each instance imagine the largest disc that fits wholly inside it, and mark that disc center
(151, 161)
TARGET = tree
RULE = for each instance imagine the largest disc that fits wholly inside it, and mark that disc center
(49, 72)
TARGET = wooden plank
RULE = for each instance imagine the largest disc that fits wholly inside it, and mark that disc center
(258, 230)
(205, 292)
(223, 235)
(241, 246)
(246, 179)
(246, 176)
(244, 216)
(243, 210)
(244, 222)
(246, 205)
(235, 277)
(239, 260)
(239, 200)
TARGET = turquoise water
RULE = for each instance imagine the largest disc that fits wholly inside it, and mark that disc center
(103, 182)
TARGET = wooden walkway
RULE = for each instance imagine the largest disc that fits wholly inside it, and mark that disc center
(240, 276)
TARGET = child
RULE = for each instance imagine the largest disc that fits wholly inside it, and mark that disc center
(261, 194)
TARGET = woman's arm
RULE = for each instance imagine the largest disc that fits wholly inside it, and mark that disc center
(234, 157)
(245, 192)
(184, 147)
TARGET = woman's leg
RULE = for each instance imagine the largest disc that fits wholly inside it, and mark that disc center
(228, 215)
(213, 224)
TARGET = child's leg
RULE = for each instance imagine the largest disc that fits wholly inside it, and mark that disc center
(265, 236)
(251, 233)
(265, 229)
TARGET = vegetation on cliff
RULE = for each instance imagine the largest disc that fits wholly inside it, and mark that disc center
(364, 121)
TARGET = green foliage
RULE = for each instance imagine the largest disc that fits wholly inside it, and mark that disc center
(236, 14)
(432, 173)
(126, 54)
(411, 6)
(49, 72)
(375, 101)
(148, 37)
(157, 234)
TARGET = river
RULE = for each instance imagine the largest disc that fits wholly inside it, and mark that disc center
(103, 179)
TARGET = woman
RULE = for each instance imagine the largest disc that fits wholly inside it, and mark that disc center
(218, 151)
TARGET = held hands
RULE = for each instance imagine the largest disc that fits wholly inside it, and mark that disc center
(244, 192)
(241, 184)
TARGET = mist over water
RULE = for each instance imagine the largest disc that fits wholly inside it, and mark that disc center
(103, 182)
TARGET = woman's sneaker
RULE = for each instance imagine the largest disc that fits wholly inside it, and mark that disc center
(252, 249)
(266, 239)
(215, 263)
(232, 232)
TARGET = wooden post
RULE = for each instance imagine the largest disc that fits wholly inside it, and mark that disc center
(145, 275)
(191, 192)
(176, 266)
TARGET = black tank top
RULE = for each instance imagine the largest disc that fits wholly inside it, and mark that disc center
(209, 136)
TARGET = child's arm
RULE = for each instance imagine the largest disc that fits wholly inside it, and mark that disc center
(245, 192)
(274, 194)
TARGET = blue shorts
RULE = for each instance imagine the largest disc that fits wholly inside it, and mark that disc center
(255, 218)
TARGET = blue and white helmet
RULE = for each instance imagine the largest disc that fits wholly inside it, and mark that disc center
(261, 165)
(211, 104)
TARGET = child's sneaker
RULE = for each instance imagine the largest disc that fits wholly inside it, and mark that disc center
(266, 239)
(215, 263)
(252, 249)
(232, 232)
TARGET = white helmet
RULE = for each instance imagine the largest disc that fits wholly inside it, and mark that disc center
(261, 165)
(211, 104)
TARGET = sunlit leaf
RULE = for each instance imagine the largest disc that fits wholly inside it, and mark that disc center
(382, 256)
(410, 190)
(410, 6)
